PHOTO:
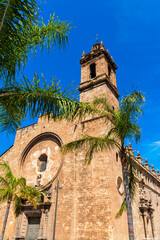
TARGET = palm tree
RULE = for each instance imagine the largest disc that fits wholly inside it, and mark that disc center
(21, 33)
(14, 189)
(123, 126)
(19, 98)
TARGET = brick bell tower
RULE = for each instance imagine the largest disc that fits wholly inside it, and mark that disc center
(98, 76)
(102, 180)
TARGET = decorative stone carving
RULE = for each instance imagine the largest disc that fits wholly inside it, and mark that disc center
(146, 163)
(83, 54)
(130, 150)
(158, 174)
(138, 158)
(146, 210)
(38, 184)
(153, 170)
(22, 221)
(21, 227)
(102, 46)
(42, 231)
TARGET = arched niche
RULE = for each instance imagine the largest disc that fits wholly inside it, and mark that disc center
(42, 162)
(43, 149)
(41, 137)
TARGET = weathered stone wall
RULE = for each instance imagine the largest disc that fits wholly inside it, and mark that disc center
(101, 68)
(89, 199)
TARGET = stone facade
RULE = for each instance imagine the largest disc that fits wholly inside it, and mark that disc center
(89, 196)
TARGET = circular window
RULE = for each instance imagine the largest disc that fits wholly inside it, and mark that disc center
(120, 185)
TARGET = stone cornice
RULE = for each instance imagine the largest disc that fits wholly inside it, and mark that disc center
(141, 167)
(98, 53)
(101, 79)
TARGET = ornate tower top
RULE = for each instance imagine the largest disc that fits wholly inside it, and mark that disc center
(97, 69)
(97, 50)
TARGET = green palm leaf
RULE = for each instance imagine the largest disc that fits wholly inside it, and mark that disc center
(21, 32)
(18, 98)
(32, 194)
(17, 205)
(91, 145)
(14, 189)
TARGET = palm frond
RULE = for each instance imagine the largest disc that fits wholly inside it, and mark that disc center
(3, 182)
(125, 118)
(90, 145)
(15, 13)
(21, 181)
(18, 98)
(14, 189)
(136, 97)
(14, 18)
(32, 194)
(3, 194)
(18, 183)
(9, 177)
(102, 102)
(6, 193)
(21, 33)
(122, 209)
(17, 205)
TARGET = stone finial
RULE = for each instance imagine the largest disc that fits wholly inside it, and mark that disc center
(150, 208)
(158, 174)
(153, 170)
(102, 46)
(83, 54)
(146, 163)
(95, 47)
(130, 149)
(150, 203)
(138, 158)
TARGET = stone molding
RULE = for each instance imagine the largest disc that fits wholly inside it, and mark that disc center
(101, 79)
(41, 137)
(42, 211)
(97, 50)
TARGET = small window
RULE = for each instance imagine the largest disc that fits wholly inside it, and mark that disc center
(93, 70)
(109, 71)
(42, 162)
(116, 157)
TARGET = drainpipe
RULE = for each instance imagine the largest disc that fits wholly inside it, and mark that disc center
(55, 216)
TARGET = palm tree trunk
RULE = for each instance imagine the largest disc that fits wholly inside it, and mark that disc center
(5, 220)
(128, 199)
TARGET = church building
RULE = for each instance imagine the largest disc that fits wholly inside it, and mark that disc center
(81, 201)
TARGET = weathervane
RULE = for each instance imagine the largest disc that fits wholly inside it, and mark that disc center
(97, 38)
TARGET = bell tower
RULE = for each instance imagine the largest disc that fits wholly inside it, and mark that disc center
(98, 75)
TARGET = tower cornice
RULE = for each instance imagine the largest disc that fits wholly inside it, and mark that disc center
(96, 51)
(99, 80)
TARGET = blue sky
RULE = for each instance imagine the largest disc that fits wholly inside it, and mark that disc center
(130, 30)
